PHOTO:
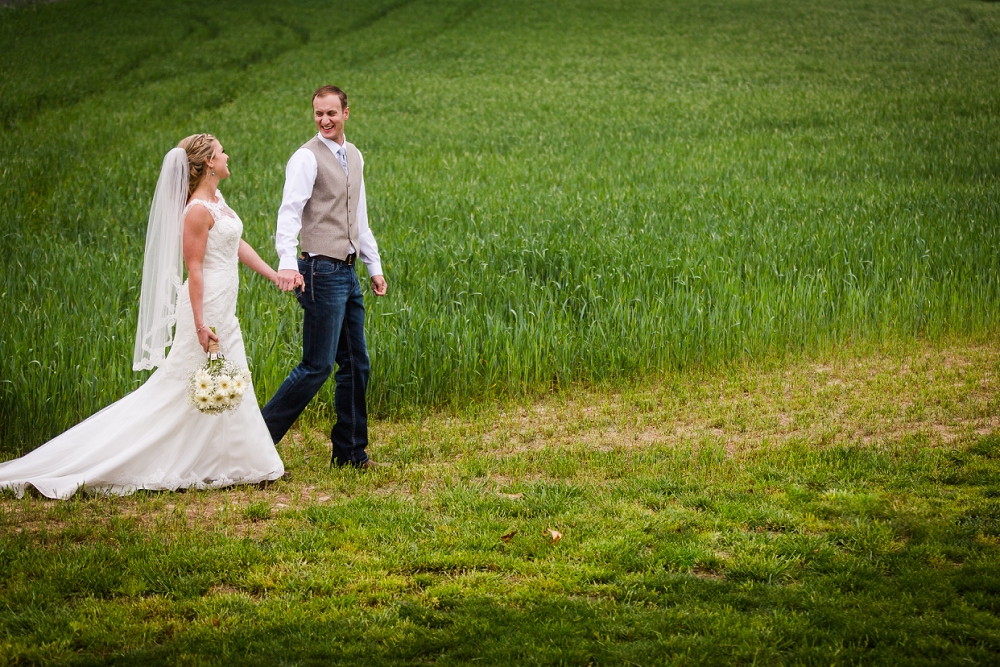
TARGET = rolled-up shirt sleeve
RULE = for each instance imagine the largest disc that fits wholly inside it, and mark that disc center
(300, 175)
(369, 248)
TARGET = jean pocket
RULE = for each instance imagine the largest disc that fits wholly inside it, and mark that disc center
(325, 268)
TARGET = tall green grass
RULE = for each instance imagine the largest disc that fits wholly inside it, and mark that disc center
(562, 191)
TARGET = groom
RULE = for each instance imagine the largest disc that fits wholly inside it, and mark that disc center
(324, 198)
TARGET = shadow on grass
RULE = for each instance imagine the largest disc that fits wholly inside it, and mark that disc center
(677, 619)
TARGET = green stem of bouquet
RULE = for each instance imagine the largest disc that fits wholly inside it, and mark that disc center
(214, 364)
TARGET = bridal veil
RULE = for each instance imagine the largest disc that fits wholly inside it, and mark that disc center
(163, 263)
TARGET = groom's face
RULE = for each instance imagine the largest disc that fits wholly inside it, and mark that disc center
(330, 117)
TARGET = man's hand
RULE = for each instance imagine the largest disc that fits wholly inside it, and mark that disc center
(379, 286)
(289, 279)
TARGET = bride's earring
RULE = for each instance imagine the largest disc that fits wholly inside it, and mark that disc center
(213, 172)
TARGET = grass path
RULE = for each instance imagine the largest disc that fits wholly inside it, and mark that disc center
(826, 510)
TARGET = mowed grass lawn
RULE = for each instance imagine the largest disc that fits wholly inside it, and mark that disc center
(842, 510)
(708, 289)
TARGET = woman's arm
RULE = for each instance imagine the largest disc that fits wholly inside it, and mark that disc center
(250, 257)
(196, 225)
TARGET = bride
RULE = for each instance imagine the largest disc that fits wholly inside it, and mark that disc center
(154, 438)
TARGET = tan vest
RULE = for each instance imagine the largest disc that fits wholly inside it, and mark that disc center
(330, 217)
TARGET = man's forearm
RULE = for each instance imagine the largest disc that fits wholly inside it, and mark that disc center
(286, 238)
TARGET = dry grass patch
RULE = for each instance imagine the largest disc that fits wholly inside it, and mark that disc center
(945, 391)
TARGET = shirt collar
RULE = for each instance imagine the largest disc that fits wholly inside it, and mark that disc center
(330, 143)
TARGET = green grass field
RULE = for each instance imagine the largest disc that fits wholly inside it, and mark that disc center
(563, 191)
(842, 511)
(708, 287)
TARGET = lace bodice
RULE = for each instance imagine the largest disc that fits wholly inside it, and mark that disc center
(221, 252)
(220, 271)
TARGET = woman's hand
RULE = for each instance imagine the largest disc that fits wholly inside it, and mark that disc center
(205, 335)
(288, 279)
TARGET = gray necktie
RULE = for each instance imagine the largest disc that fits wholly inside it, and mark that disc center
(342, 156)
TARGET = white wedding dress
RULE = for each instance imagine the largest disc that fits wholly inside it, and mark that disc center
(154, 438)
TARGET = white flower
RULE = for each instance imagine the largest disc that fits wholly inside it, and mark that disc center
(203, 381)
(215, 394)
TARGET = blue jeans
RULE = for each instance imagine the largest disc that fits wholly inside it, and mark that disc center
(333, 329)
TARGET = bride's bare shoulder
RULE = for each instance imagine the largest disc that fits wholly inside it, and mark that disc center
(198, 217)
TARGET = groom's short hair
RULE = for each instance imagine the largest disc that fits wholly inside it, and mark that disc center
(323, 91)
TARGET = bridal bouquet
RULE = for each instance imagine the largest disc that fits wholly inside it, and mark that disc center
(218, 386)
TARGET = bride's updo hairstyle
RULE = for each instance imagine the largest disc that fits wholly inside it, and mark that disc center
(199, 151)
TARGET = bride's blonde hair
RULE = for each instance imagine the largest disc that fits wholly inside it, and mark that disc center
(199, 151)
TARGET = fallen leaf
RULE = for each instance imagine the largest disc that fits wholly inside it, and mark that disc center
(508, 536)
(556, 535)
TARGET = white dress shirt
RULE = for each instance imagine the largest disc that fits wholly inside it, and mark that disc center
(300, 176)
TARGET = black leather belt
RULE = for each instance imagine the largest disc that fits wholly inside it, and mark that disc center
(349, 261)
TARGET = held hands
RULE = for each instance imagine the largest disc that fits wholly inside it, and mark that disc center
(205, 334)
(289, 279)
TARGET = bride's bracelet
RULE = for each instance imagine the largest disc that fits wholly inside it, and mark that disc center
(198, 330)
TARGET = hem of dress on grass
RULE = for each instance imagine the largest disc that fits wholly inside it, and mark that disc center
(150, 484)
